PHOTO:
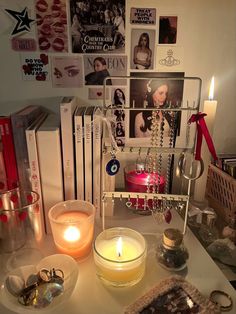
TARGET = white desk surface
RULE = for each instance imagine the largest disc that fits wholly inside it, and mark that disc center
(91, 296)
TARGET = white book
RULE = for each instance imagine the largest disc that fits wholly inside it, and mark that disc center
(97, 155)
(67, 109)
(35, 179)
(50, 163)
(79, 152)
(88, 164)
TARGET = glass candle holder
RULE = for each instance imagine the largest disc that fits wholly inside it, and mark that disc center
(19, 209)
(72, 224)
(120, 256)
(137, 180)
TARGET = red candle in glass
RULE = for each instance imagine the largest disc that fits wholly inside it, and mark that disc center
(137, 181)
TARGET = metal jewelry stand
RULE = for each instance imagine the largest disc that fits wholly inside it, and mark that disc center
(183, 144)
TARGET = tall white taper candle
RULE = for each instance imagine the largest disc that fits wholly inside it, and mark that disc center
(209, 108)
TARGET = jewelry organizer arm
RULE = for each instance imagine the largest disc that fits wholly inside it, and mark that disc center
(157, 147)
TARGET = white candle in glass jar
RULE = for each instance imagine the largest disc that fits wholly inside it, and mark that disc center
(119, 255)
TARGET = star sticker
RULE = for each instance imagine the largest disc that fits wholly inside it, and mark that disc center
(23, 21)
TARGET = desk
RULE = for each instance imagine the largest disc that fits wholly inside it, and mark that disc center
(91, 296)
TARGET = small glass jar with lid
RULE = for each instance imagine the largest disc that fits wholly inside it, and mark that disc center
(171, 252)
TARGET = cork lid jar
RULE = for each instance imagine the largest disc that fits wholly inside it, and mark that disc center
(171, 252)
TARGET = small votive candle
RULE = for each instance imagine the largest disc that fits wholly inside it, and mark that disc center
(120, 256)
(72, 224)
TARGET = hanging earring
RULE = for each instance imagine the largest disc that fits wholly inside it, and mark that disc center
(113, 165)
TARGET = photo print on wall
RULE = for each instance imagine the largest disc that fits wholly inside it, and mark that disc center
(99, 67)
(118, 100)
(148, 91)
(142, 49)
(167, 29)
(98, 26)
(67, 71)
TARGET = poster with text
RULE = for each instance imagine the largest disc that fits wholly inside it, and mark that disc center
(35, 67)
(67, 71)
(97, 26)
(143, 16)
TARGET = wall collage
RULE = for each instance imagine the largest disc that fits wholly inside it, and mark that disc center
(79, 43)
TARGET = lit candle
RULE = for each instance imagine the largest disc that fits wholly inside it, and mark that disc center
(120, 255)
(72, 225)
(210, 109)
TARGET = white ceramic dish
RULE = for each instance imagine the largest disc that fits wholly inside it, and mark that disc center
(58, 261)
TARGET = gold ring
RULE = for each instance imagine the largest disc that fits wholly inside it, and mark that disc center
(224, 308)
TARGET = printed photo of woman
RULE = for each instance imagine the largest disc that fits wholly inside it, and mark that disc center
(100, 73)
(142, 49)
(156, 91)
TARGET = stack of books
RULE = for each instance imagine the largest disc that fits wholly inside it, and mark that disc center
(58, 156)
(227, 163)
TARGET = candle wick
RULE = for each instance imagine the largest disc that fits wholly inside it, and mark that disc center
(119, 255)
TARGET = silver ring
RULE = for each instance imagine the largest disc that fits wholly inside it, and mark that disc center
(180, 169)
(223, 308)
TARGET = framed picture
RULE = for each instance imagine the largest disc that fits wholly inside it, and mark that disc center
(153, 90)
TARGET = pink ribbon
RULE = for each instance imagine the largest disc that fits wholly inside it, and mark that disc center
(202, 130)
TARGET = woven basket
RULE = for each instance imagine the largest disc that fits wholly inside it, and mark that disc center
(221, 193)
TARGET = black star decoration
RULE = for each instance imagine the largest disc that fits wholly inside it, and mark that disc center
(23, 21)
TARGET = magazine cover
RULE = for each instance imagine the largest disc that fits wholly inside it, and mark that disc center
(97, 68)
(97, 26)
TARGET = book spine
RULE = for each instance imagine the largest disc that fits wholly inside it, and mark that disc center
(19, 125)
(9, 152)
(88, 158)
(79, 153)
(3, 177)
(50, 163)
(97, 142)
(35, 179)
(67, 131)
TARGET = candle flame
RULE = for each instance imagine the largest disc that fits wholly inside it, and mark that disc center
(119, 247)
(211, 91)
(72, 234)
